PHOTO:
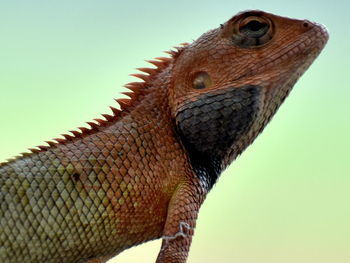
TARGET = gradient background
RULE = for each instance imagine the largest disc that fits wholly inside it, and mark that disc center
(286, 199)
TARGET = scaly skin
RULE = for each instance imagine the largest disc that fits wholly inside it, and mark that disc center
(144, 172)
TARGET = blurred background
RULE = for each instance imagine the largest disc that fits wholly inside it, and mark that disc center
(286, 199)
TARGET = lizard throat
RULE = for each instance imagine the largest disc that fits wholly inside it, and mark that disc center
(211, 125)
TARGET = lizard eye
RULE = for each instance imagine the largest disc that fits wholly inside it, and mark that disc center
(201, 80)
(252, 27)
(252, 31)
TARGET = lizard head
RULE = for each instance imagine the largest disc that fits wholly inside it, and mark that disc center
(228, 84)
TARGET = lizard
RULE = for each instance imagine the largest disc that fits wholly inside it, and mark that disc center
(142, 172)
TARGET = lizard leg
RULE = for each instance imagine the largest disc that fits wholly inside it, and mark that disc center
(181, 220)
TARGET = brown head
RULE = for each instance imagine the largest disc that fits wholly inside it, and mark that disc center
(227, 85)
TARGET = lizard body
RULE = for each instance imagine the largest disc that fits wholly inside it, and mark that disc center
(143, 172)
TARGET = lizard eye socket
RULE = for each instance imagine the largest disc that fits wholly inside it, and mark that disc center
(252, 31)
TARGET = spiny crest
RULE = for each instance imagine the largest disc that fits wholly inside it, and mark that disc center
(136, 89)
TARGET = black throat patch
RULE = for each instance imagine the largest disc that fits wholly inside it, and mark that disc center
(211, 125)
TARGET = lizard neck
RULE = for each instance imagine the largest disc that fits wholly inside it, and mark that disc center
(214, 124)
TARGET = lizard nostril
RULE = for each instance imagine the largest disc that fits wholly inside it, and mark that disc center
(306, 24)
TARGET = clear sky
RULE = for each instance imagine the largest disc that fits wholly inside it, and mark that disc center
(286, 199)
